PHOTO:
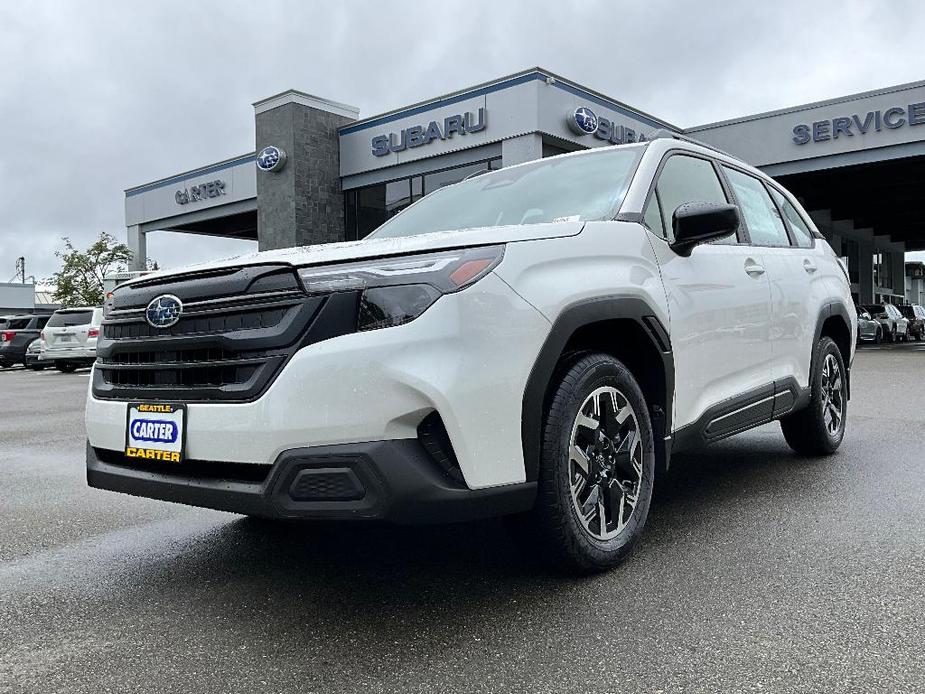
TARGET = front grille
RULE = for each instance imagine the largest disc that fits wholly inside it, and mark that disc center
(228, 345)
(216, 321)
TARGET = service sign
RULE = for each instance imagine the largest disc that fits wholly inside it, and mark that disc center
(155, 431)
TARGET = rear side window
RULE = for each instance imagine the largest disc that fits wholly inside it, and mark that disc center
(19, 324)
(765, 227)
(63, 319)
(685, 179)
(42, 320)
(801, 231)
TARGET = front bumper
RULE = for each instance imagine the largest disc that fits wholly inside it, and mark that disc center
(396, 481)
(467, 357)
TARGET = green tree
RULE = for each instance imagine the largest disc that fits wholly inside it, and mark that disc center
(79, 282)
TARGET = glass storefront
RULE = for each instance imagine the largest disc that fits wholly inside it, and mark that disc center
(367, 208)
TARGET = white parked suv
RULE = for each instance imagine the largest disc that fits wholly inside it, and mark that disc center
(534, 341)
(69, 338)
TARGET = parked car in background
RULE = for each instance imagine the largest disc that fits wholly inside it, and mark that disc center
(894, 325)
(869, 330)
(16, 334)
(915, 314)
(70, 337)
(32, 359)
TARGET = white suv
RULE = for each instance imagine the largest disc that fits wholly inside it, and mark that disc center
(533, 341)
(69, 338)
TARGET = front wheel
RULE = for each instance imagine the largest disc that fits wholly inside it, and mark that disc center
(878, 338)
(818, 429)
(597, 465)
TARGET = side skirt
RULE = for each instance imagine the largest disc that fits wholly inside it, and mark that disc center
(743, 412)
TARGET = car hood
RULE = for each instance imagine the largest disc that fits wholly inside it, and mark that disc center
(324, 253)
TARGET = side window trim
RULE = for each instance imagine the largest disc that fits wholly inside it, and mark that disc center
(783, 217)
(810, 227)
(743, 232)
(743, 236)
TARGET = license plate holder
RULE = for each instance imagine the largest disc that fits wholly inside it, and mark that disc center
(155, 432)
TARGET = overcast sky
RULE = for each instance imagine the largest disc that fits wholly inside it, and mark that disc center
(97, 97)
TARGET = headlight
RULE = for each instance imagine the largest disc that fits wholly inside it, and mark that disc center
(398, 290)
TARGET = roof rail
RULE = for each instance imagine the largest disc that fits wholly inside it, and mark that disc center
(664, 134)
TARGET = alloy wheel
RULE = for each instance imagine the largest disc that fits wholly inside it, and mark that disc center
(833, 403)
(605, 463)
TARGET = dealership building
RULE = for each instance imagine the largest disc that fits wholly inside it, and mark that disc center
(320, 173)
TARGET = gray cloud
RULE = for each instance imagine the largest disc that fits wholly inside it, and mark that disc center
(97, 97)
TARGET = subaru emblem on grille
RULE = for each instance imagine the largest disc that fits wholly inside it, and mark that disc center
(163, 311)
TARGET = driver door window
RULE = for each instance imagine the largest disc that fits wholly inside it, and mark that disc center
(683, 179)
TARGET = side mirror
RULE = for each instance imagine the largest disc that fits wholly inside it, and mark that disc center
(694, 223)
(865, 315)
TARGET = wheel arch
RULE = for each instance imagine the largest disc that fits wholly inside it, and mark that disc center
(833, 322)
(626, 328)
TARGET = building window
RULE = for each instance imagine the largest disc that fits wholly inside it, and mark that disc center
(883, 270)
(367, 208)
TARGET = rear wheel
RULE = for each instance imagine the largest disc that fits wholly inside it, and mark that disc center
(65, 367)
(818, 429)
(597, 466)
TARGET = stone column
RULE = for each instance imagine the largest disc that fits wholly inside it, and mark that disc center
(866, 271)
(138, 245)
(302, 202)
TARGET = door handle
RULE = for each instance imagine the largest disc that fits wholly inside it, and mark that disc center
(753, 268)
(809, 265)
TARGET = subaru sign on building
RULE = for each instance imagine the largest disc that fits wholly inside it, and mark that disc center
(325, 174)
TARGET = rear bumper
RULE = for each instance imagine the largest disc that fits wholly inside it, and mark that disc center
(394, 481)
(11, 355)
(76, 354)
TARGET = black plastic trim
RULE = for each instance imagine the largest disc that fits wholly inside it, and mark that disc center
(569, 321)
(743, 412)
(833, 308)
(395, 481)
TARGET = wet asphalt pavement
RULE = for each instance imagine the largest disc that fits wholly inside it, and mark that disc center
(759, 571)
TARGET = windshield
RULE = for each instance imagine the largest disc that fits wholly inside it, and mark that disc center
(558, 189)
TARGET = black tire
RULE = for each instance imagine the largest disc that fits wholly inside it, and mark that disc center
(559, 535)
(65, 367)
(878, 338)
(807, 432)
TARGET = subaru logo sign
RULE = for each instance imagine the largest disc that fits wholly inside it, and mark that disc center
(583, 121)
(163, 311)
(271, 159)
